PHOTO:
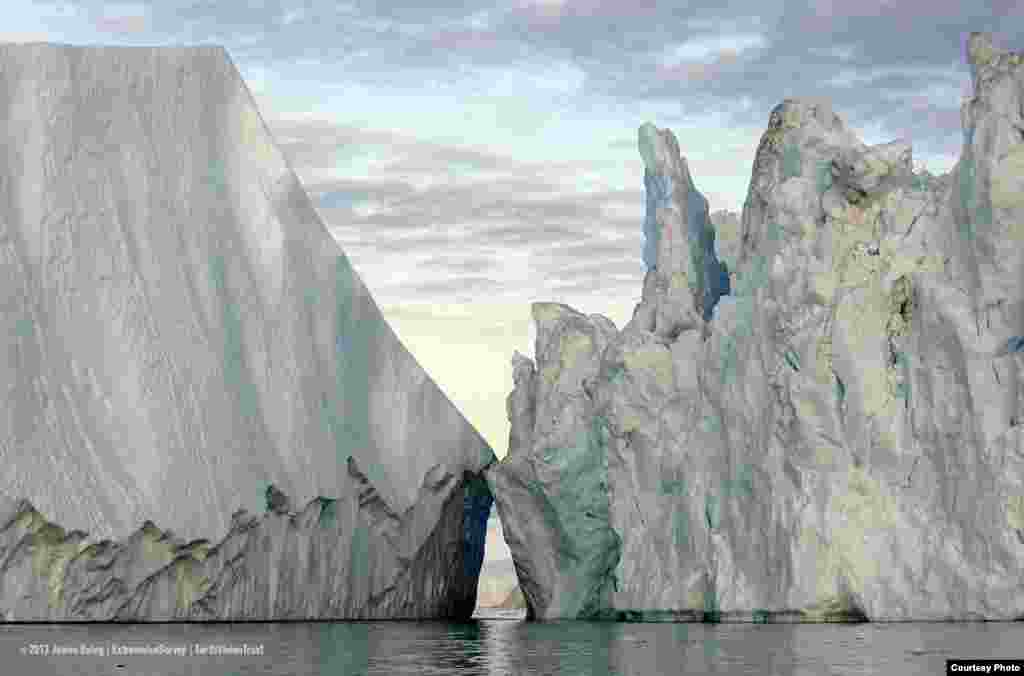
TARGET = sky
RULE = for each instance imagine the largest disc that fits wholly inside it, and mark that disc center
(472, 158)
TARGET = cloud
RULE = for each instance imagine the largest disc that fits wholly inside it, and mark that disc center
(875, 76)
(25, 36)
(696, 71)
(464, 39)
(459, 264)
(711, 47)
(464, 286)
(521, 79)
(563, 54)
(122, 18)
(836, 52)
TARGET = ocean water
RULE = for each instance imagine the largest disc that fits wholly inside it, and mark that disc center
(500, 644)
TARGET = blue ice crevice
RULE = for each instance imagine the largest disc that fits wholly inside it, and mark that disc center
(712, 274)
(476, 510)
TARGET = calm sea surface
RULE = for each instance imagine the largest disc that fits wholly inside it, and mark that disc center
(503, 644)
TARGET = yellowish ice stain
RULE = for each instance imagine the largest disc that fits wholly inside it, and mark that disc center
(823, 360)
(50, 557)
(1015, 511)
(571, 348)
(823, 287)
(771, 140)
(254, 137)
(51, 552)
(827, 608)
(826, 568)
(984, 54)
(30, 520)
(197, 550)
(190, 584)
(679, 281)
(790, 118)
(574, 346)
(806, 407)
(1008, 188)
(550, 373)
(654, 358)
(728, 231)
(153, 547)
(631, 421)
(544, 313)
(865, 509)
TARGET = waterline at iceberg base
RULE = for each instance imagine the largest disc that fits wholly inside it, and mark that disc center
(182, 333)
(817, 421)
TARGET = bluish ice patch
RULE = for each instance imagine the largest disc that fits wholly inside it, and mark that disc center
(311, 296)
(672, 484)
(236, 372)
(476, 509)
(968, 198)
(346, 406)
(790, 161)
(712, 274)
(359, 559)
(680, 526)
(341, 199)
(840, 389)
(792, 359)
(712, 613)
(659, 194)
(711, 424)
(328, 513)
(712, 511)
(616, 374)
(743, 483)
(729, 358)
(983, 215)
(588, 548)
(24, 328)
(744, 318)
(753, 278)
(968, 135)
(647, 138)
(216, 177)
(823, 175)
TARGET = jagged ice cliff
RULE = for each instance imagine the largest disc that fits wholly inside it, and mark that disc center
(827, 426)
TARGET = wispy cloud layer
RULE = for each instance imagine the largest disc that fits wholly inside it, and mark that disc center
(484, 155)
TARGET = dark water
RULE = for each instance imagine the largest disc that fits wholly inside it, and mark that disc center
(499, 646)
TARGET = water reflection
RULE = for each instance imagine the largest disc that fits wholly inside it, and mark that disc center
(503, 647)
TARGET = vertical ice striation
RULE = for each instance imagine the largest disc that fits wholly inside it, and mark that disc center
(180, 331)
